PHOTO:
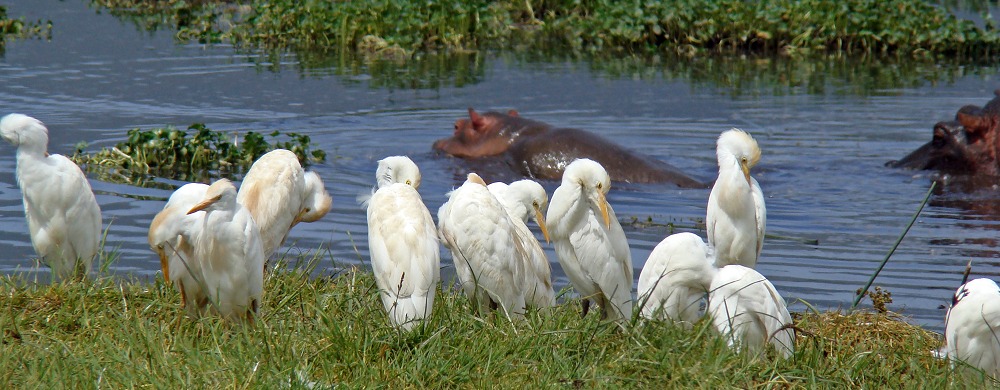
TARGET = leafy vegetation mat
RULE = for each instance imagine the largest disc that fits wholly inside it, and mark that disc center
(396, 29)
(195, 154)
(19, 28)
(330, 330)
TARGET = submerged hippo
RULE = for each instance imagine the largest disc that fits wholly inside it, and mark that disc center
(967, 145)
(538, 150)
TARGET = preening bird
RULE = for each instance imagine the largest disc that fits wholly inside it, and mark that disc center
(736, 216)
(228, 244)
(64, 220)
(171, 236)
(972, 326)
(489, 257)
(280, 194)
(589, 241)
(675, 278)
(749, 312)
(402, 243)
(524, 199)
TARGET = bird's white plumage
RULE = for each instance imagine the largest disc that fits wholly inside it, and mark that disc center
(972, 326)
(676, 278)
(228, 244)
(171, 236)
(489, 257)
(403, 243)
(748, 311)
(280, 194)
(64, 220)
(589, 241)
(736, 216)
(524, 199)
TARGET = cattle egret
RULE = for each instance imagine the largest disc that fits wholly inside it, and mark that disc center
(972, 326)
(228, 244)
(280, 194)
(675, 278)
(749, 312)
(736, 215)
(489, 257)
(403, 243)
(171, 236)
(524, 199)
(589, 241)
(64, 220)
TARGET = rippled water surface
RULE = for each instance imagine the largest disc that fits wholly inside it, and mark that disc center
(833, 209)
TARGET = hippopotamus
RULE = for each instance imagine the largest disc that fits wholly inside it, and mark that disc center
(968, 145)
(542, 151)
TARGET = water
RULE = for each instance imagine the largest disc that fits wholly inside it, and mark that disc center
(825, 133)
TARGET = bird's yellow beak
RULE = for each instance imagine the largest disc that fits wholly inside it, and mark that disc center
(541, 223)
(745, 167)
(602, 203)
(204, 204)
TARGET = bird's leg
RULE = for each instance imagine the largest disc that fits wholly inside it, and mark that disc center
(493, 305)
(585, 304)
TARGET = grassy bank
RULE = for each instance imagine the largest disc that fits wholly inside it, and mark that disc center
(331, 330)
(396, 29)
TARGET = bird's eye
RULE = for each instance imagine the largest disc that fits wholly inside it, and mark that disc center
(600, 186)
(744, 159)
(534, 204)
(409, 183)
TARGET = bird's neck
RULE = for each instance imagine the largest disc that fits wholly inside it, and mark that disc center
(29, 152)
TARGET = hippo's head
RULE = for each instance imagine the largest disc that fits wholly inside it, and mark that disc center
(478, 135)
(967, 145)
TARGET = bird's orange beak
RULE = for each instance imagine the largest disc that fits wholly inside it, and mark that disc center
(299, 217)
(204, 204)
(541, 223)
(603, 205)
(745, 167)
(164, 264)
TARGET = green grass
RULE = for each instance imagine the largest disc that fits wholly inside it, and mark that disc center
(326, 330)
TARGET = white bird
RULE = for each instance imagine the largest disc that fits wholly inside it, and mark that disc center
(171, 236)
(524, 199)
(675, 278)
(736, 216)
(280, 194)
(748, 311)
(489, 257)
(403, 243)
(228, 245)
(64, 220)
(589, 241)
(972, 326)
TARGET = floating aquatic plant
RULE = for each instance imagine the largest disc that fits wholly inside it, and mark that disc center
(193, 154)
(18, 28)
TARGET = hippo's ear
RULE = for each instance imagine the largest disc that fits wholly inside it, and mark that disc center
(513, 113)
(478, 122)
(972, 118)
